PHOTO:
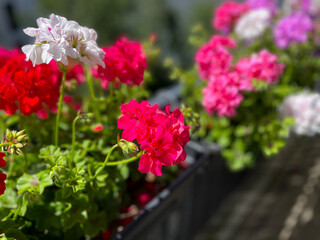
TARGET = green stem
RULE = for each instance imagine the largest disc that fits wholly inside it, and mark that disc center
(111, 86)
(125, 160)
(105, 161)
(5, 144)
(18, 210)
(73, 139)
(93, 96)
(56, 135)
(90, 84)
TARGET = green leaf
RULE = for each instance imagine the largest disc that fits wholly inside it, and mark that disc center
(124, 170)
(34, 183)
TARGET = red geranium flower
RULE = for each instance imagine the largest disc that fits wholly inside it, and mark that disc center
(2, 161)
(3, 177)
(27, 88)
(125, 61)
(162, 135)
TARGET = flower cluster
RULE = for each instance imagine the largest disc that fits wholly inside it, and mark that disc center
(222, 94)
(305, 109)
(125, 62)
(227, 83)
(227, 15)
(27, 88)
(161, 135)
(3, 176)
(271, 5)
(292, 29)
(213, 57)
(76, 72)
(253, 23)
(57, 38)
(263, 66)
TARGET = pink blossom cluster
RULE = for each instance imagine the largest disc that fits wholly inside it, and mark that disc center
(227, 15)
(262, 66)
(161, 135)
(125, 62)
(213, 57)
(222, 95)
(227, 83)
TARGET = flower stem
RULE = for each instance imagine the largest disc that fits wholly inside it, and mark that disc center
(5, 144)
(56, 135)
(93, 96)
(105, 161)
(125, 160)
(73, 139)
(111, 87)
(18, 209)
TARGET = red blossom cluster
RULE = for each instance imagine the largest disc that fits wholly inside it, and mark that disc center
(227, 15)
(3, 176)
(76, 72)
(125, 62)
(27, 88)
(161, 135)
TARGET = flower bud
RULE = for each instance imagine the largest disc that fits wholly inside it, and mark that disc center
(17, 141)
(128, 148)
(86, 117)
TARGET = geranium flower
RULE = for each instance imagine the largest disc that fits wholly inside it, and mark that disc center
(213, 57)
(227, 15)
(292, 29)
(57, 38)
(161, 135)
(3, 177)
(305, 109)
(253, 23)
(222, 95)
(263, 66)
(76, 72)
(125, 62)
(2, 161)
(27, 88)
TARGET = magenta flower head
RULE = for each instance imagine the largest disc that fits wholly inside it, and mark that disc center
(161, 135)
(227, 15)
(213, 57)
(125, 62)
(262, 66)
(222, 94)
(292, 29)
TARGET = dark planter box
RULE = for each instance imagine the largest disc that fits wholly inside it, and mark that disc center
(181, 210)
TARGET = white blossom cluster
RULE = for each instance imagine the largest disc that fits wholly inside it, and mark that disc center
(57, 38)
(305, 109)
(252, 24)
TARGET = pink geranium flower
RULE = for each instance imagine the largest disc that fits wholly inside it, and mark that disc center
(222, 94)
(263, 66)
(227, 15)
(213, 57)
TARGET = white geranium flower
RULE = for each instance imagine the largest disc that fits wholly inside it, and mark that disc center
(252, 24)
(305, 109)
(57, 38)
